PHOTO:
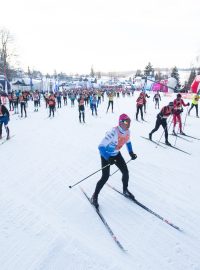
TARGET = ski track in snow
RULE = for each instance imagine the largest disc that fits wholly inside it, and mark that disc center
(45, 225)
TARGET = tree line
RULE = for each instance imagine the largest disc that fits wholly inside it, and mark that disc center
(8, 59)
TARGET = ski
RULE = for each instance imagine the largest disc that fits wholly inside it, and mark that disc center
(180, 137)
(176, 148)
(4, 141)
(142, 121)
(146, 208)
(152, 141)
(105, 223)
(191, 137)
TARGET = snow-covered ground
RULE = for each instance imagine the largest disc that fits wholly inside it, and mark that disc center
(45, 225)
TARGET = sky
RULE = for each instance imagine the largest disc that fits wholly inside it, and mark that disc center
(110, 35)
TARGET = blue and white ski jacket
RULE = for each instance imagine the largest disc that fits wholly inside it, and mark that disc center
(113, 142)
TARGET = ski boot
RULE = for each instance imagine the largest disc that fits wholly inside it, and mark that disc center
(128, 194)
(167, 143)
(174, 133)
(150, 136)
(94, 201)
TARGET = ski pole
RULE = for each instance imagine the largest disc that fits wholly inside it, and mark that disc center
(170, 120)
(160, 139)
(118, 169)
(183, 125)
(89, 176)
(175, 140)
(185, 118)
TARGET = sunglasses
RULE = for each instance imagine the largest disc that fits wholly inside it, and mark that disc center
(126, 121)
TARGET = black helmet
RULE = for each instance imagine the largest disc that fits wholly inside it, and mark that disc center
(178, 95)
(171, 104)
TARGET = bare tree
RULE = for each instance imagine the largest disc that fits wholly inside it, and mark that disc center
(6, 53)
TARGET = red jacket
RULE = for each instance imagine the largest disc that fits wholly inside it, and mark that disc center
(178, 105)
(165, 112)
(140, 100)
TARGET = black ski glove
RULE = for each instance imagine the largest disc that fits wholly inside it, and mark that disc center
(188, 103)
(111, 160)
(132, 155)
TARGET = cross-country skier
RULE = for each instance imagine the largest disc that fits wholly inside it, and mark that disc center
(23, 102)
(4, 119)
(195, 101)
(162, 121)
(93, 103)
(52, 104)
(156, 98)
(110, 154)
(81, 108)
(178, 109)
(36, 100)
(139, 106)
(110, 101)
(10, 100)
(145, 96)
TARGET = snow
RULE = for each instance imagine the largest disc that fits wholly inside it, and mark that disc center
(45, 225)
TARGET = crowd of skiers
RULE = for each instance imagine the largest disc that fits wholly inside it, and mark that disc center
(18, 101)
(118, 136)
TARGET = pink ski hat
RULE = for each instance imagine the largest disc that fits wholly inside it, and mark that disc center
(123, 117)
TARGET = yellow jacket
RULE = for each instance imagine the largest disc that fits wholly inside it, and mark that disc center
(110, 97)
(195, 99)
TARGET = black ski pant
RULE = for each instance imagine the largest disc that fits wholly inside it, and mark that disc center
(196, 107)
(36, 103)
(51, 110)
(121, 164)
(46, 102)
(145, 107)
(65, 100)
(161, 122)
(110, 103)
(98, 101)
(23, 108)
(7, 130)
(59, 103)
(1, 124)
(11, 105)
(86, 101)
(82, 112)
(139, 108)
(94, 108)
(15, 106)
(156, 103)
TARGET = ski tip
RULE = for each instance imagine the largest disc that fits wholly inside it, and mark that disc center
(180, 230)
